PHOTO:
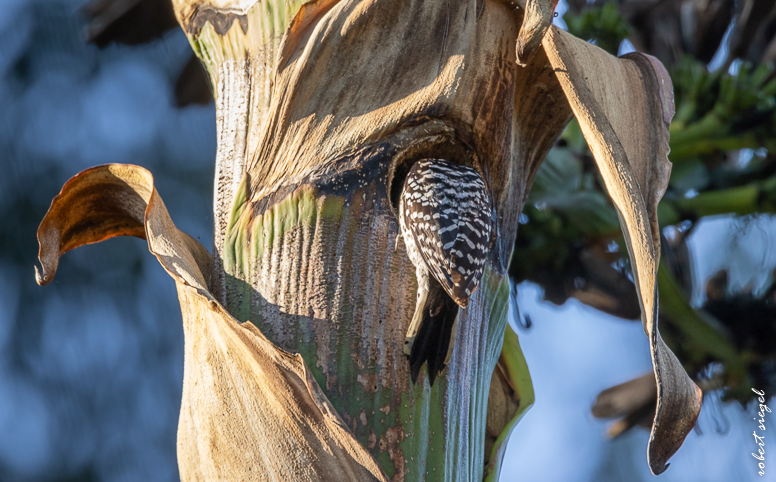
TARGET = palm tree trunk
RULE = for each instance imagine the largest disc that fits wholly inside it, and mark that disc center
(308, 250)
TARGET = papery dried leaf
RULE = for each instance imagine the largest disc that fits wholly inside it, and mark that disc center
(624, 107)
(536, 20)
(634, 401)
(238, 387)
(108, 201)
(304, 20)
(94, 205)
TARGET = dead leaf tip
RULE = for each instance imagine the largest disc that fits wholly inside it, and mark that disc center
(42, 276)
(659, 470)
(48, 258)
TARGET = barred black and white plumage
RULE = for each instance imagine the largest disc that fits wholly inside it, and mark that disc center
(445, 219)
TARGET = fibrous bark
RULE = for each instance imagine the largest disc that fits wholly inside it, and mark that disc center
(312, 247)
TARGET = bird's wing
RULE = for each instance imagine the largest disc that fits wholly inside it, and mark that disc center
(447, 211)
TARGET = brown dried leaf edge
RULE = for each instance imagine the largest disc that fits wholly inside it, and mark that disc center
(246, 403)
(624, 107)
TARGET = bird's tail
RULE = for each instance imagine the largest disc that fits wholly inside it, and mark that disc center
(431, 332)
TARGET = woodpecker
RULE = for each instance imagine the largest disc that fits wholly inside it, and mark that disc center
(446, 222)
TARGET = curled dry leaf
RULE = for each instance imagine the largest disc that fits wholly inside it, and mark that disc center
(633, 401)
(624, 107)
(238, 387)
(537, 19)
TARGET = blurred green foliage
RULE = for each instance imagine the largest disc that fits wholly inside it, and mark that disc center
(604, 26)
(717, 111)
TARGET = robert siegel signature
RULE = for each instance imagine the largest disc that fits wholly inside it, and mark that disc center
(760, 439)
